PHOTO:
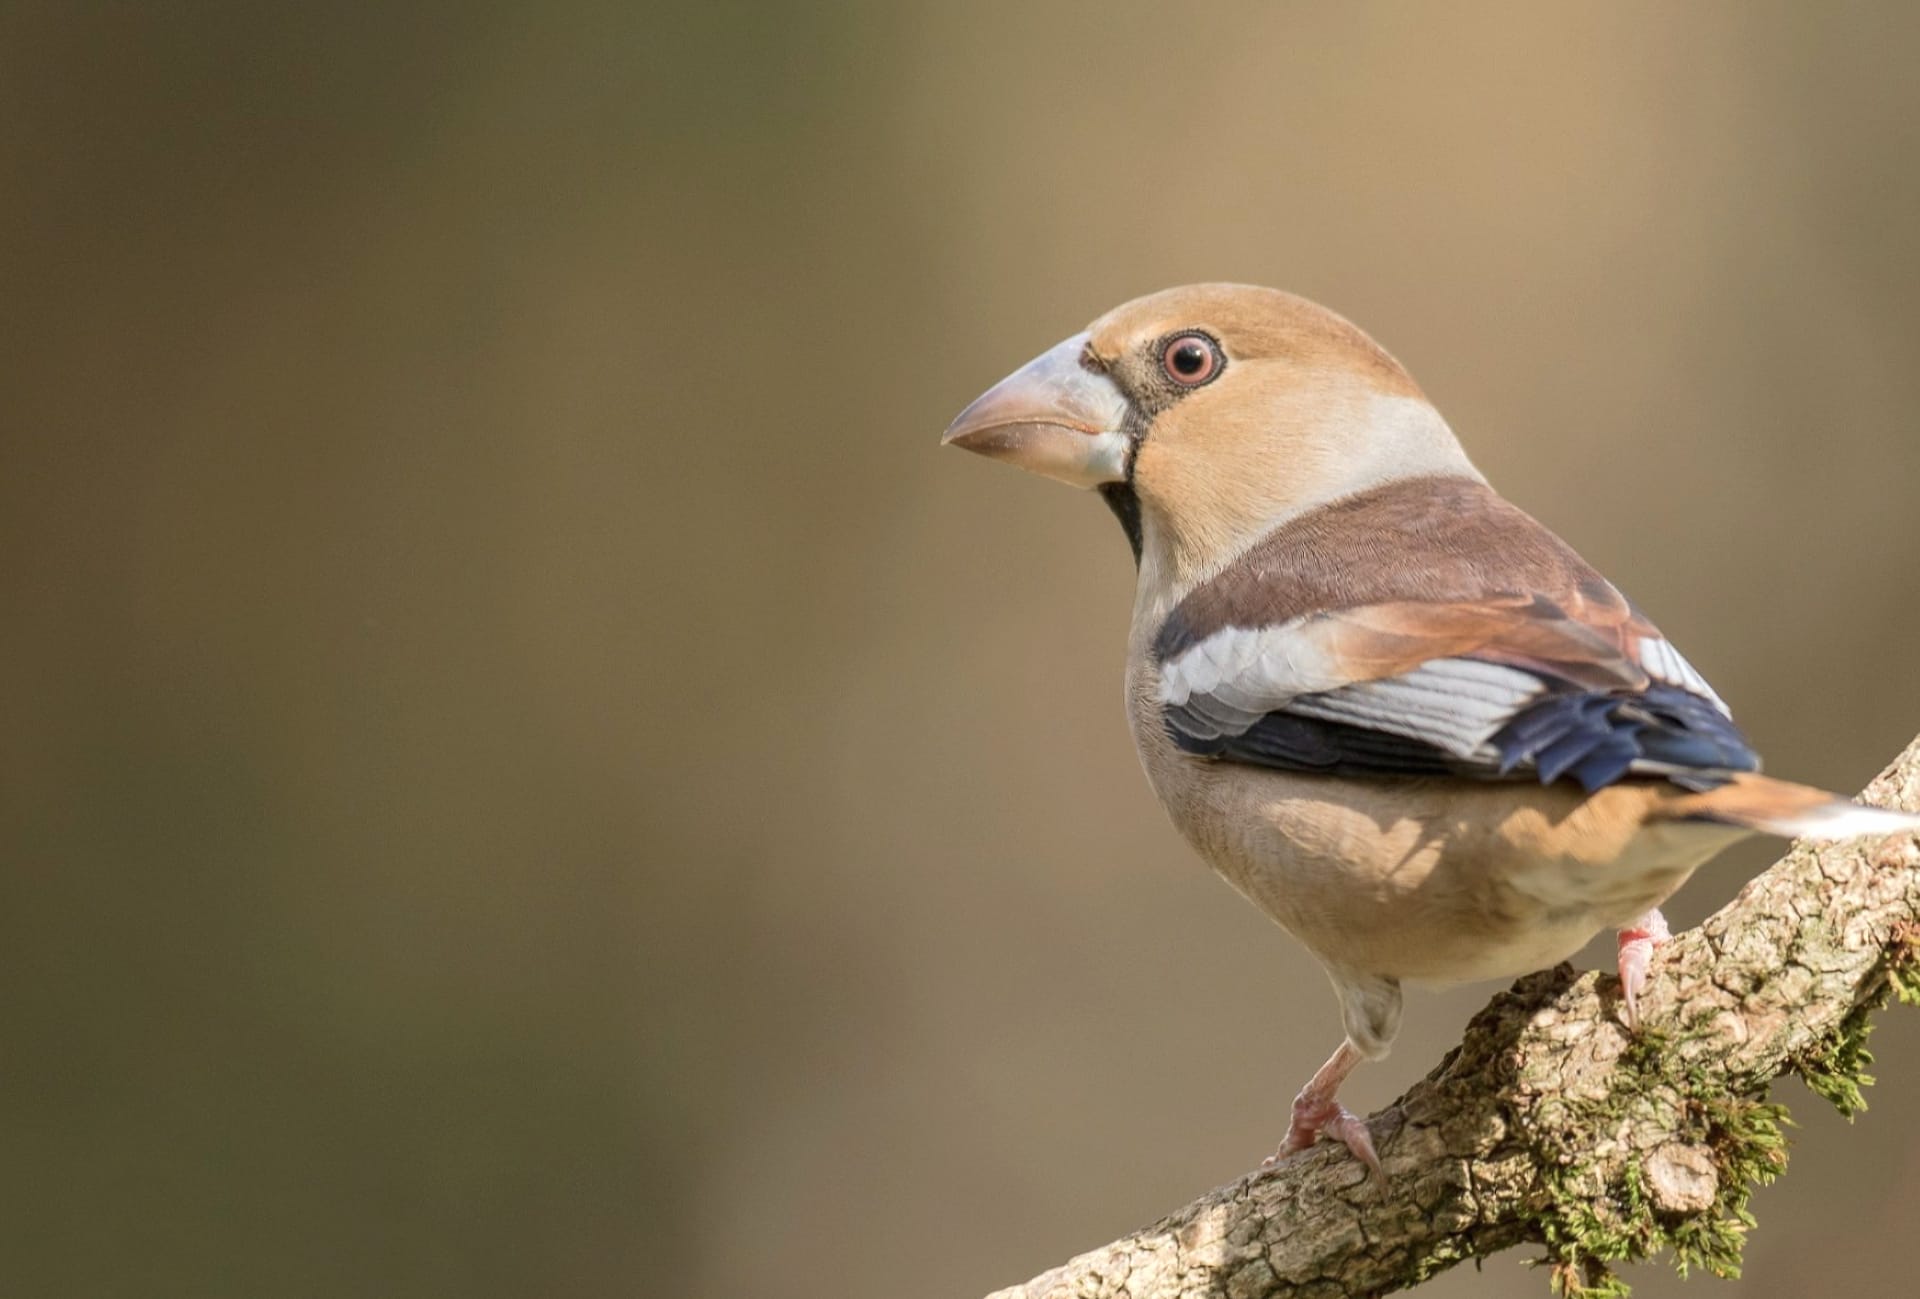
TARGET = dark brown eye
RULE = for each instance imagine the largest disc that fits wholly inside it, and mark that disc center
(1190, 359)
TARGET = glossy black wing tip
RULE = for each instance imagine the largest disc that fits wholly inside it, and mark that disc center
(1599, 738)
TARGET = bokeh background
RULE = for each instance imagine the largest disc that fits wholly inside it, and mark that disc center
(525, 771)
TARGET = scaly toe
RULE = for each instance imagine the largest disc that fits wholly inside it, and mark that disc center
(1637, 944)
(1334, 1120)
(1635, 956)
(1353, 1132)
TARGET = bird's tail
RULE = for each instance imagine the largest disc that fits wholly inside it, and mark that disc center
(1791, 811)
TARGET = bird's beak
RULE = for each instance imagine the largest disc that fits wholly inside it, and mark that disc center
(1053, 416)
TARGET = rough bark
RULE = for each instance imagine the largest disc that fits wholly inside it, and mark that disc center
(1551, 1124)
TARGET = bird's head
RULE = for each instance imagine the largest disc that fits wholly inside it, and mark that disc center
(1207, 414)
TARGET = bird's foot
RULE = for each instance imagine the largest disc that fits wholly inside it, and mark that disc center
(1637, 942)
(1314, 1116)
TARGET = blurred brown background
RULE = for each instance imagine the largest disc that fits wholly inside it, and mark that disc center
(524, 771)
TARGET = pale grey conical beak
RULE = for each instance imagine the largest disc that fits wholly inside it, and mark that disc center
(1053, 416)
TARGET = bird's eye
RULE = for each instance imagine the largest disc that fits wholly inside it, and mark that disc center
(1190, 359)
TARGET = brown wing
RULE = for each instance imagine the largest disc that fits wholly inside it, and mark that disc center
(1475, 641)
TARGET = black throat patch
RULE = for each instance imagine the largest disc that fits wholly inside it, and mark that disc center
(1120, 497)
(1125, 504)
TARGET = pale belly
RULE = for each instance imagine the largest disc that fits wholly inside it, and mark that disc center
(1439, 880)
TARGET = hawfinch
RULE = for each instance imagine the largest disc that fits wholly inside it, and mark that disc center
(1400, 716)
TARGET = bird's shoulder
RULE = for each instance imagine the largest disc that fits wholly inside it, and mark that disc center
(1429, 540)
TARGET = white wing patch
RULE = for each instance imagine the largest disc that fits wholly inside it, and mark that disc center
(1229, 681)
(1267, 662)
(1236, 676)
(1665, 664)
(1453, 704)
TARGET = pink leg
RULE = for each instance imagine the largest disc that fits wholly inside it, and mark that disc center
(1315, 1111)
(1637, 942)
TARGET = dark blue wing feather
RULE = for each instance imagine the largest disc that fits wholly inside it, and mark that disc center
(1596, 738)
(1593, 737)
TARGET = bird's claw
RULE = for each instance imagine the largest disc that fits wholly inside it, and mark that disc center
(1314, 1117)
(1637, 944)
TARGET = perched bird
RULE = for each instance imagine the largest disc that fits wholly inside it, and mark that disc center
(1396, 713)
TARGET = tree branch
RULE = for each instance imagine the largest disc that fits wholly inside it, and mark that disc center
(1551, 1124)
